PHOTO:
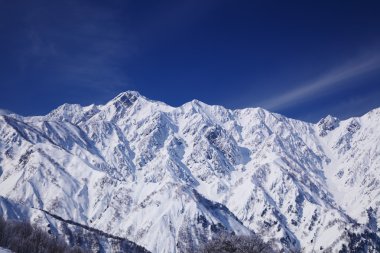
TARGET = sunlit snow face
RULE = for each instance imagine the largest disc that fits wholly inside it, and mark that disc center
(162, 176)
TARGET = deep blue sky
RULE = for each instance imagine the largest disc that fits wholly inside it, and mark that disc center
(304, 59)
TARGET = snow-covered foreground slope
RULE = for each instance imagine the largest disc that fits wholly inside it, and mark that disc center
(170, 178)
(2, 250)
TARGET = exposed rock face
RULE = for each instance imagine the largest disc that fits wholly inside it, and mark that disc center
(169, 178)
(327, 124)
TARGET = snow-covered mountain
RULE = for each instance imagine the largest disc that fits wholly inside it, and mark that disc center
(169, 178)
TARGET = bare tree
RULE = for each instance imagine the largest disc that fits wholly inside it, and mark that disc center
(227, 243)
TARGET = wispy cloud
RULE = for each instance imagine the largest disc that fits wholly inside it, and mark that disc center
(328, 82)
(88, 50)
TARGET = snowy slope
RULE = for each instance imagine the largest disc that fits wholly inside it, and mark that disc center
(170, 178)
(2, 250)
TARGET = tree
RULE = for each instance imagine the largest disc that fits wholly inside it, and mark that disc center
(227, 243)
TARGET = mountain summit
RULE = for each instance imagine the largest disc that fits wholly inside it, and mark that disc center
(168, 179)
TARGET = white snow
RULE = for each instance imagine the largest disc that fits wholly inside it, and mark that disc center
(2, 250)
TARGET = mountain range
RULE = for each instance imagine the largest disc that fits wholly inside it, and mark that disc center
(138, 175)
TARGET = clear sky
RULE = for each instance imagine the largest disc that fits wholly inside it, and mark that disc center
(304, 59)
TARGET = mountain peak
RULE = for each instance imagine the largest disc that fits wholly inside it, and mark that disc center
(125, 98)
(5, 112)
(128, 94)
(327, 123)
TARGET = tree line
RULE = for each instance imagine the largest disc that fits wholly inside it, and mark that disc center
(227, 243)
(22, 237)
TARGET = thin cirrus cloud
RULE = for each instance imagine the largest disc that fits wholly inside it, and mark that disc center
(86, 51)
(328, 82)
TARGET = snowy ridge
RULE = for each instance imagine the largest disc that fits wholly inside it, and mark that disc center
(170, 178)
